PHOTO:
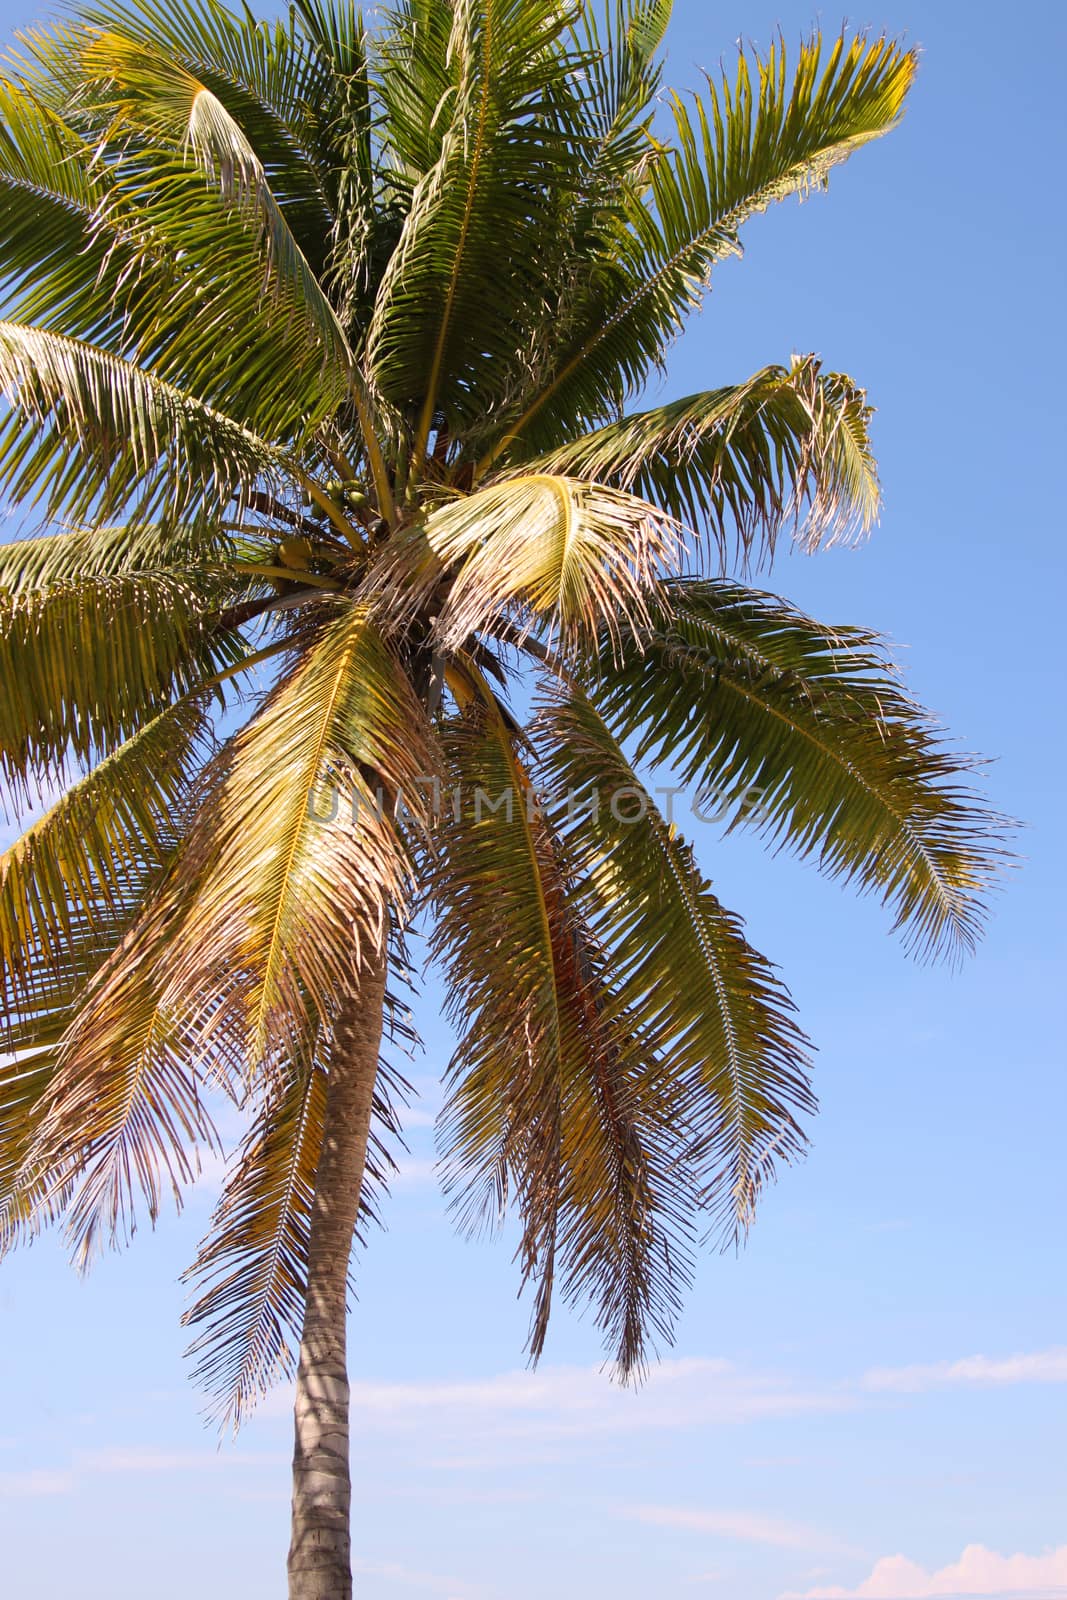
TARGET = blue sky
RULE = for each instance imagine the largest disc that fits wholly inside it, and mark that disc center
(871, 1400)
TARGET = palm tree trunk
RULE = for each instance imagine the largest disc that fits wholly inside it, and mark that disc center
(320, 1565)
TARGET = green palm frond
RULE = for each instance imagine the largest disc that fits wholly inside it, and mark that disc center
(739, 462)
(269, 81)
(802, 732)
(294, 864)
(684, 976)
(741, 148)
(156, 96)
(72, 884)
(113, 244)
(94, 437)
(51, 222)
(445, 319)
(52, 560)
(622, 73)
(551, 1102)
(85, 662)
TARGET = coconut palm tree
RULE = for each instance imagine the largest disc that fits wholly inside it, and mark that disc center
(372, 596)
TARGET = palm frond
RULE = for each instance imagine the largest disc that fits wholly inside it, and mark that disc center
(567, 555)
(738, 463)
(294, 862)
(802, 732)
(123, 1110)
(251, 1269)
(443, 331)
(86, 661)
(72, 884)
(126, 247)
(250, 1275)
(708, 1005)
(550, 1100)
(53, 560)
(741, 148)
(96, 438)
(270, 82)
(156, 95)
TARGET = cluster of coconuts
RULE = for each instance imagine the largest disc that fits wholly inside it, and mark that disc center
(297, 551)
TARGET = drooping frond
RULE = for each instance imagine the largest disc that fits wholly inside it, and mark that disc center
(741, 148)
(95, 438)
(85, 661)
(739, 462)
(802, 732)
(122, 1113)
(707, 1004)
(72, 884)
(294, 862)
(568, 555)
(251, 1270)
(551, 1101)
(250, 1275)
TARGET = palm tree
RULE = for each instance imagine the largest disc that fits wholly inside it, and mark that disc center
(320, 348)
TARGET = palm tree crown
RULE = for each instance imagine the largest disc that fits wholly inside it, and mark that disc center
(323, 349)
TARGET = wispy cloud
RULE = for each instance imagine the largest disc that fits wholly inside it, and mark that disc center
(750, 1527)
(467, 1423)
(978, 1572)
(569, 1402)
(1038, 1366)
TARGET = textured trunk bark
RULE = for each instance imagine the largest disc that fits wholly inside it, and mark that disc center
(320, 1564)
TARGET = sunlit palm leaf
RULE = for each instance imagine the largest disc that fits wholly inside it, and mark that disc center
(252, 1268)
(269, 80)
(740, 462)
(569, 555)
(158, 96)
(295, 864)
(123, 1111)
(85, 662)
(72, 884)
(250, 1276)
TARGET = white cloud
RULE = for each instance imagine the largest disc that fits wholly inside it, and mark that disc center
(978, 1572)
(1039, 1366)
(751, 1527)
(569, 1402)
